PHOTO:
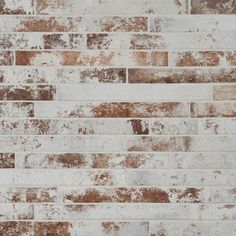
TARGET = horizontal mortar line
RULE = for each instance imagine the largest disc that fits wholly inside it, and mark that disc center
(71, 15)
(82, 67)
(121, 203)
(151, 119)
(123, 152)
(121, 135)
(68, 169)
(113, 50)
(61, 187)
(148, 220)
(118, 135)
(168, 49)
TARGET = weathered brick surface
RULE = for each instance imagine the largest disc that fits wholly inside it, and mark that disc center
(117, 118)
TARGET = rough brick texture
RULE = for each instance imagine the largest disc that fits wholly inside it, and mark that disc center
(117, 117)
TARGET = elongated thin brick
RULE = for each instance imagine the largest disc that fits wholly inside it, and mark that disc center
(73, 75)
(67, 177)
(91, 58)
(115, 211)
(62, 75)
(186, 160)
(16, 7)
(224, 194)
(7, 160)
(160, 144)
(111, 109)
(181, 177)
(42, 143)
(38, 24)
(134, 92)
(180, 228)
(74, 127)
(174, 126)
(38, 40)
(116, 7)
(84, 228)
(16, 109)
(213, 7)
(163, 41)
(38, 92)
(29, 195)
(63, 41)
(192, 23)
(217, 126)
(213, 109)
(221, 211)
(135, 195)
(6, 58)
(182, 75)
(74, 24)
(224, 92)
(203, 58)
(16, 212)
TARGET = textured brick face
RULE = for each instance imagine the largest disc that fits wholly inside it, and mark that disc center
(117, 118)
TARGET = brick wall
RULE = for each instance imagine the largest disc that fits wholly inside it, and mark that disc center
(117, 117)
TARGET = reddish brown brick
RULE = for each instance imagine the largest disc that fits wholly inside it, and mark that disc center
(38, 92)
(182, 75)
(63, 41)
(91, 58)
(16, 7)
(7, 160)
(206, 58)
(213, 7)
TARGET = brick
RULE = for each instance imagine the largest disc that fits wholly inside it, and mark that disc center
(213, 7)
(29, 195)
(41, 143)
(111, 109)
(189, 160)
(115, 211)
(91, 58)
(38, 24)
(16, 109)
(63, 41)
(22, 7)
(117, 7)
(16, 212)
(162, 41)
(217, 126)
(6, 58)
(70, 75)
(179, 228)
(213, 109)
(74, 127)
(7, 160)
(174, 126)
(181, 177)
(182, 75)
(134, 195)
(203, 58)
(224, 194)
(124, 92)
(67, 177)
(192, 23)
(73, 24)
(224, 92)
(71, 228)
(38, 92)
